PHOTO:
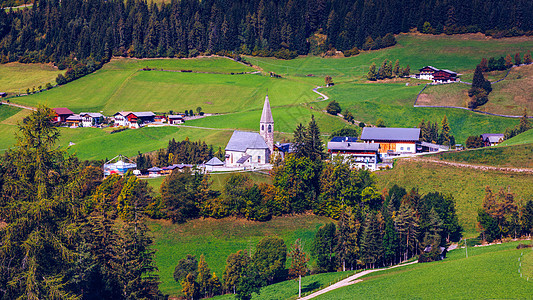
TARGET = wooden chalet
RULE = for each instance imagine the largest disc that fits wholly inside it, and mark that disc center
(492, 139)
(427, 72)
(130, 119)
(392, 141)
(62, 113)
(74, 120)
(444, 76)
(91, 119)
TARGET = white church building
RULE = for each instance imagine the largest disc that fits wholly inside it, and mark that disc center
(251, 148)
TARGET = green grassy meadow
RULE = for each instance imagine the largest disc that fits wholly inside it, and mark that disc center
(393, 103)
(518, 156)
(456, 52)
(488, 272)
(15, 77)
(523, 138)
(466, 185)
(217, 239)
(289, 289)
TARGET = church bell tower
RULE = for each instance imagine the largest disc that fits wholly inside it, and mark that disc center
(266, 125)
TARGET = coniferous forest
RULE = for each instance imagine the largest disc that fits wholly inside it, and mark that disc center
(94, 30)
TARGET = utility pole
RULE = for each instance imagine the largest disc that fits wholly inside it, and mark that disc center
(466, 245)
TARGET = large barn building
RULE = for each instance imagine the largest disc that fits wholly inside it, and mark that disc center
(392, 141)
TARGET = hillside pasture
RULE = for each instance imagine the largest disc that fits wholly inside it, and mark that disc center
(217, 239)
(122, 85)
(508, 97)
(455, 52)
(518, 156)
(488, 272)
(15, 77)
(393, 103)
(466, 185)
(523, 138)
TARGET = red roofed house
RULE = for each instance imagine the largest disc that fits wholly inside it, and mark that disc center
(62, 113)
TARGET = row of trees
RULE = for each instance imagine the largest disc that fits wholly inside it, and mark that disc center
(387, 71)
(51, 30)
(429, 132)
(397, 227)
(480, 89)
(245, 272)
(184, 152)
(64, 233)
(501, 216)
(493, 64)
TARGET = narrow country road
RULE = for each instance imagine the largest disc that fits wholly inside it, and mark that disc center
(351, 280)
(324, 97)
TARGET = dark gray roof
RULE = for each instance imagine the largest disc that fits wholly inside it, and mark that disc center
(449, 72)
(390, 134)
(487, 135)
(140, 114)
(175, 116)
(351, 146)
(243, 159)
(214, 162)
(240, 141)
(74, 118)
(344, 139)
(266, 116)
(154, 169)
(92, 115)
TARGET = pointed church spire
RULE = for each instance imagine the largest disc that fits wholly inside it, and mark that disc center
(266, 116)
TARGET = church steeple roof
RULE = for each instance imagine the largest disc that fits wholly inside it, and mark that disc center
(266, 116)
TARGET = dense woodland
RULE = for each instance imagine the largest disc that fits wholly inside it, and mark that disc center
(60, 31)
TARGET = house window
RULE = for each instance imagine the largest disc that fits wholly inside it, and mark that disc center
(259, 159)
(401, 148)
(408, 148)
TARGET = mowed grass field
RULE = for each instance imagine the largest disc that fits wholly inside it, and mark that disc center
(509, 96)
(455, 52)
(15, 77)
(122, 85)
(466, 185)
(488, 273)
(518, 156)
(217, 239)
(523, 138)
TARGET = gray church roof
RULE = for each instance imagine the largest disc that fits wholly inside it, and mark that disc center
(390, 134)
(214, 162)
(266, 116)
(240, 141)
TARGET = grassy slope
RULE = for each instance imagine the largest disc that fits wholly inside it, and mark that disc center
(17, 77)
(488, 272)
(523, 138)
(510, 96)
(120, 85)
(394, 104)
(216, 239)
(466, 185)
(518, 156)
(527, 263)
(8, 116)
(457, 52)
(289, 289)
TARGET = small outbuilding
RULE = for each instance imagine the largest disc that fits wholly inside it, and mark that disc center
(62, 113)
(154, 171)
(175, 119)
(492, 139)
(212, 163)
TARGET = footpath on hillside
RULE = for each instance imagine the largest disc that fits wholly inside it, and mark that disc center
(477, 167)
(351, 280)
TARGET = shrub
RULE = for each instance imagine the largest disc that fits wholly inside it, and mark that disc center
(333, 108)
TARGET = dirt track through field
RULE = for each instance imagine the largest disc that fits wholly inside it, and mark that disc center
(477, 167)
(351, 280)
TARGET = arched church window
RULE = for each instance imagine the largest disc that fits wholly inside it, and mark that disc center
(262, 127)
(269, 128)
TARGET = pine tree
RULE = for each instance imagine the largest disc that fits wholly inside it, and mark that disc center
(524, 124)
(444, 138)
(204, 277)
(323, 248)
(371, 241)
(347, 249)
(407, 226)
(313, 141)
(527, 58)
(190, 287)
(517, 59)
(508, 61)
(406, 71)
(396, 69)
(484, 65)
(372, 73)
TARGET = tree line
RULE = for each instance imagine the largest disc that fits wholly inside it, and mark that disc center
(53, 30)
(502, 216)
(65, 233)
(429, 132)
(387, 71)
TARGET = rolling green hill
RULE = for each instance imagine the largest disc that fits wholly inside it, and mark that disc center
(15, 77)
(488, 272)
(523, 138)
